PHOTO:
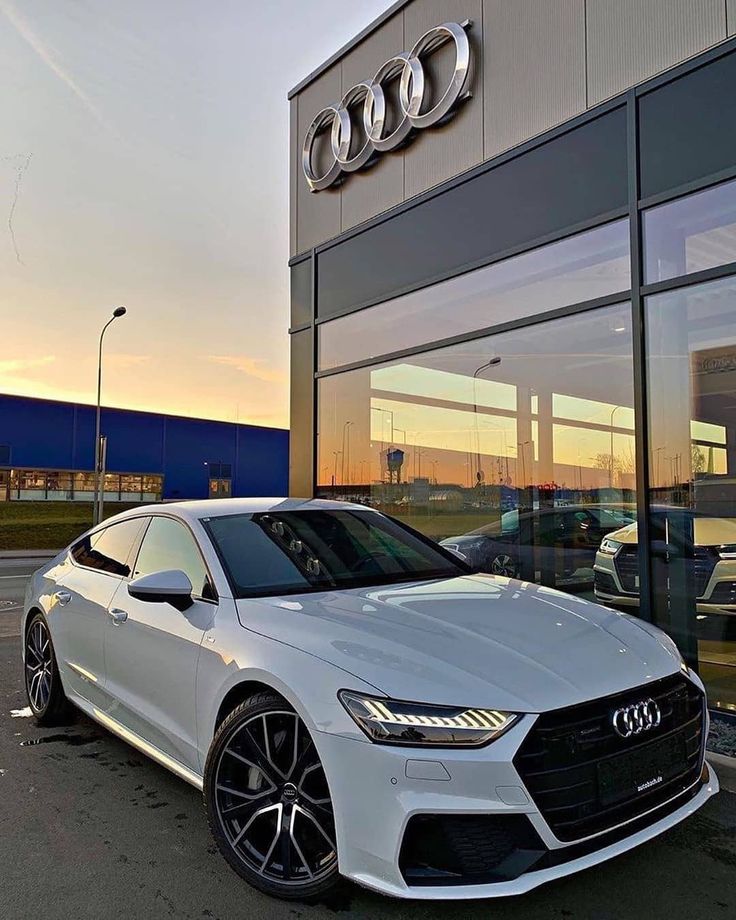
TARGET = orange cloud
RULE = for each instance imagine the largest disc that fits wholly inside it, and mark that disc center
(253, 367)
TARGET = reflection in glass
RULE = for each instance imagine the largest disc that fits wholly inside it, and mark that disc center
(691, 336)
(515, 449)
(690, 234)
(579, 268)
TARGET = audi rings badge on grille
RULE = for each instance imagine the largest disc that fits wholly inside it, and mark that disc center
(413, 90)
(635, 719)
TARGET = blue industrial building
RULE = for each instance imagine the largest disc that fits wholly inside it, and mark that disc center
(47, 454)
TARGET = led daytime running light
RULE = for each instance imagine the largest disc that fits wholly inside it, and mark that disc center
(394, 722)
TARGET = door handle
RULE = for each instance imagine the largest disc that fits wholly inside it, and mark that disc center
(118, 616)
(63, 598)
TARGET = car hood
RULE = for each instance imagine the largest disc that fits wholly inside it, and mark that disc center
(706, 532)
(476, 640)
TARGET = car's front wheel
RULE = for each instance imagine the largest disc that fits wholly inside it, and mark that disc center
(268, 802)
(43, 684)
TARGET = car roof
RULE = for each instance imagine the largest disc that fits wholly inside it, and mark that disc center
(219, 507)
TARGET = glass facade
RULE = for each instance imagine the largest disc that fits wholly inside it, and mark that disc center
(542, 374)
(576, 269)
(517, 449)
(692, 474)
(691, 234)
(67, 485)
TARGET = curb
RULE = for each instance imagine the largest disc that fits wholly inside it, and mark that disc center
(725, 768)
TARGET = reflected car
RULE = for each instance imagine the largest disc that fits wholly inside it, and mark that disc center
(355, 703)
(561, 539)
(711, 560)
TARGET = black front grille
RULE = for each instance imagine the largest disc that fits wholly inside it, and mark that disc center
(560, 759)
(723, 593)
(604, 583)
(627, 568)
(703, 562)
(468, 849)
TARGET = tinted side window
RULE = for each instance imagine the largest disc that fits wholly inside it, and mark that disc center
(169, 545)
(108, 550)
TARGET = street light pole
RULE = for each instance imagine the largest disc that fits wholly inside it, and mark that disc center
(97, 507)
(492, 363)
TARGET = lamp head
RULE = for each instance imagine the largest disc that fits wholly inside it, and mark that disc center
(119, 311)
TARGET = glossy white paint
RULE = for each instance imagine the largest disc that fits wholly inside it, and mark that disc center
(159, 677)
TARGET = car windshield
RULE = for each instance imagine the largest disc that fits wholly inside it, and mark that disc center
(613, 517)
(291, 552)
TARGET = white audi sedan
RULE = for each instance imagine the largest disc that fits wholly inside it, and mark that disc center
(353, 701)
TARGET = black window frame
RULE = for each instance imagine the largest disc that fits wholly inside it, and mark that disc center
(132, 552)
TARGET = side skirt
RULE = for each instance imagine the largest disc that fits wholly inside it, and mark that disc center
(145, 747)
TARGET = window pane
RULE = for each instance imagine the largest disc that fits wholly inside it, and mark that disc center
(690, 234)
(691, 336)
(169, 545)
(571, 271)
(108, 550)
(482, 444)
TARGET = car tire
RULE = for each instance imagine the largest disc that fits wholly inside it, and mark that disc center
(268, 803)
(44, 690)
(505, 565)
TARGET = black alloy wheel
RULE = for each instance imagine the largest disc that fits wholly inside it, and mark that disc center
(503, 564)
(45, 693)
(268, 802)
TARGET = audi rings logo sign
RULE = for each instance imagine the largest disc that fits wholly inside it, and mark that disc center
(413, 92)
(635, 719)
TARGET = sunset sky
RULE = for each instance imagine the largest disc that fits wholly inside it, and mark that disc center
(144, 161)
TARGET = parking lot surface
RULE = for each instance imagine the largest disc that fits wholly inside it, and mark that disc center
(90, 828)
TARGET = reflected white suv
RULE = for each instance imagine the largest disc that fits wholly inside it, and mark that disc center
(712, 564)
(354, 702)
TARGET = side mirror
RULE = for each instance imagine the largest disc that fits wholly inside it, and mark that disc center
(456, 552)
(170, 587)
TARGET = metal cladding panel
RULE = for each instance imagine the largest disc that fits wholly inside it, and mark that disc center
(135, 440)
(301, 293)
(442, 152)
(44, 434)
(317, 213)
(301, 446)
(534, 68)
(631, 40)
(695, 116)
(294, 173)
(262, 462)
(39, 433)
(731, 16)
(381, 186)
(564, 182)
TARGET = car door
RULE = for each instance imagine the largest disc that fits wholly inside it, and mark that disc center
(151, 648)
(96, 566)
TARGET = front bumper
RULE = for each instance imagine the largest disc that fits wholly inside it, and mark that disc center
(377, 789)
(719, 594)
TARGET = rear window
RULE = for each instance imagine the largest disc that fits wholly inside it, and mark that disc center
(109, 550)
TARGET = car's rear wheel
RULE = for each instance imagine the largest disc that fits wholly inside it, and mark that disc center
(45, 693)
(503, 564)
(268, 802)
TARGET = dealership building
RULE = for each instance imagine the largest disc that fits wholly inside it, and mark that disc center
(47, 454)
(513, 276)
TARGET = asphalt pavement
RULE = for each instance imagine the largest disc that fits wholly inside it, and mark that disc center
(90, 828)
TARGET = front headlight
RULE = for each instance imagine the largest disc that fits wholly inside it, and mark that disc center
(394, 722)
(727, 551)
(610, 547)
